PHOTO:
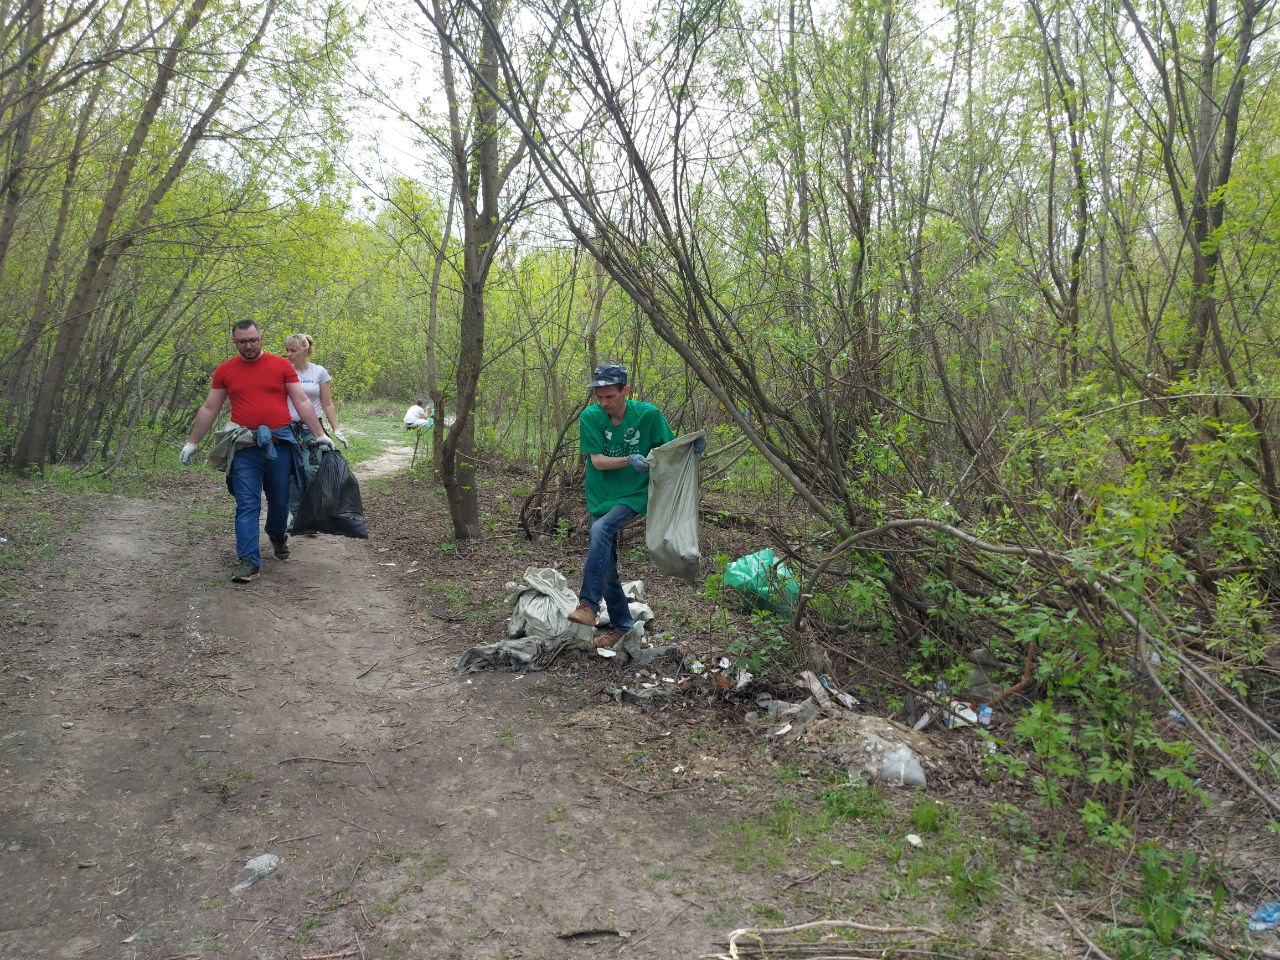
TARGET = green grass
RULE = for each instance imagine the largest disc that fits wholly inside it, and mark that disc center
(928, 816)
(826, 826)
(770, 915)
(460, 599)
(431, 867)
(389, 854)
(362, 449)
(370, 428)
(854, 801)
(390, 907)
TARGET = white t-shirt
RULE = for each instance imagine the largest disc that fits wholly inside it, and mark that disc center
(415, 415)
(311, 378)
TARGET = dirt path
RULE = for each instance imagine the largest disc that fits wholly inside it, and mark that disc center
(161, 726)
(396, 457)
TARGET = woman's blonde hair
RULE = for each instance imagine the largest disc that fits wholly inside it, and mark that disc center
(302, 340)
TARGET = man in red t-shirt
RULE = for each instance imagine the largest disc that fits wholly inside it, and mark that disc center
(258, 384)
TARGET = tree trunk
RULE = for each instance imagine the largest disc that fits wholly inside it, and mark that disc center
(477, 170)
(433, 387)
(104, 253)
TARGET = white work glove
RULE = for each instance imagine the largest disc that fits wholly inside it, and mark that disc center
(323, 441)
(337, 435)
(188, 451)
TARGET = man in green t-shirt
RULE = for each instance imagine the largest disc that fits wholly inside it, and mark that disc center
(616, 433)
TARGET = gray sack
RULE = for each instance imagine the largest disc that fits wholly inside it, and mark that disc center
(671, 532)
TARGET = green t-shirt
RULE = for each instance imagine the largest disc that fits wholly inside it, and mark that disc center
(643, 427)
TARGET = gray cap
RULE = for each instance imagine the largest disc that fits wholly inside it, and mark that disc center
(608, 375)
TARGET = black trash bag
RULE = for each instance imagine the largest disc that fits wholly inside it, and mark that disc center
(331, 502)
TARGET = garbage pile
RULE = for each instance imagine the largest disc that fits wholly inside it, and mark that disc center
(869, 746)
(542, 601)
(539, 628)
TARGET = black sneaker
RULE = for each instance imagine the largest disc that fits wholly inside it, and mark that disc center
(281, 547)
(247, 572)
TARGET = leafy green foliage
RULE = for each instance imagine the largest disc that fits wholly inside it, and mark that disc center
(764, 647)
(1176, 913)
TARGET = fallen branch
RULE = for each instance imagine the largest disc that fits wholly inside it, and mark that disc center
(643, 792)
(352, 763)
(1080, 934)
(590, 932)
(759, 933)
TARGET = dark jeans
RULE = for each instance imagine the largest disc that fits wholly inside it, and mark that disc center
(600, 578)
(252, 473)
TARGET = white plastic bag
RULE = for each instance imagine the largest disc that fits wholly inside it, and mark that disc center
(641, 612)
(671, 532)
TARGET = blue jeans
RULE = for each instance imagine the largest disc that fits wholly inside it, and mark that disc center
(251, 474)
(600, 578)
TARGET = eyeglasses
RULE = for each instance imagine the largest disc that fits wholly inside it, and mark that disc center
(246, 343)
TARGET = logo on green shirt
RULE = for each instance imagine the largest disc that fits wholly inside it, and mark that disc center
(643, 427)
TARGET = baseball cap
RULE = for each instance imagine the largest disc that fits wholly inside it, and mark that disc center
(608, 375)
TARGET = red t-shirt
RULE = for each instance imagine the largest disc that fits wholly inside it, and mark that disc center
(256, 389)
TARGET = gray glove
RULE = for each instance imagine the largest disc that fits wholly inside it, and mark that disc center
(323, 441)
(700, 446)
(638, 463)
(188, 451)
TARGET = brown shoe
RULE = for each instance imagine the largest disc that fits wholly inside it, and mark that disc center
(585, 614)
(609, 638)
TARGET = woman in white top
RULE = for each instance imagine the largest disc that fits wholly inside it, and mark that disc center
(315, 383)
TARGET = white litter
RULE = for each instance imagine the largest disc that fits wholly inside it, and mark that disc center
(262, 866)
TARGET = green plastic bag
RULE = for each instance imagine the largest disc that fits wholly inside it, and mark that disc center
(764, 580)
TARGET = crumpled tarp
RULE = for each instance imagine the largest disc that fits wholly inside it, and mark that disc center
(540, 604)
(530, 654)
(628, 650)
(513, 656)
(540, 630)
(542, 601)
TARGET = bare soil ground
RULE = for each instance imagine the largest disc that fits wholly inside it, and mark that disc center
(163, 725)
(160, 726)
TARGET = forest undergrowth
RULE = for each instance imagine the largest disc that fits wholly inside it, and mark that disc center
(1131, 674)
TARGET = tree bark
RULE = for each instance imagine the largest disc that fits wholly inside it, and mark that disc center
(478, 175)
